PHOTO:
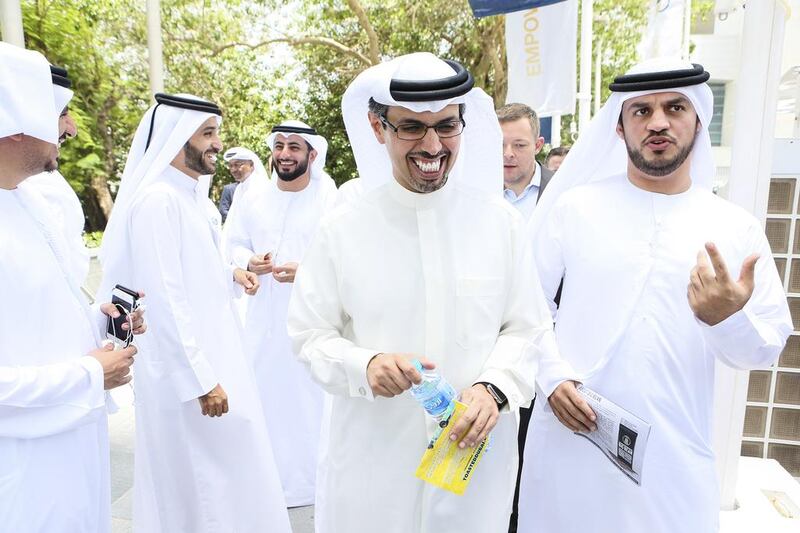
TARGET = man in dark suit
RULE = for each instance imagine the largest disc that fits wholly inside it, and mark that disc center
(524, 181)
(241, 165)
(226, 199)
(524, 178)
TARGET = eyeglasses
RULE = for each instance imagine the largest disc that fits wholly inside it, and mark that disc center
(415, 131)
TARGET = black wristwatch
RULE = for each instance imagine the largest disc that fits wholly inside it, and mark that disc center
(496, 393)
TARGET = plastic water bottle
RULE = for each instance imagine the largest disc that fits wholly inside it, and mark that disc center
(435, 394)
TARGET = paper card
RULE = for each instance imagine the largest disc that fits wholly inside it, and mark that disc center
(447, 466)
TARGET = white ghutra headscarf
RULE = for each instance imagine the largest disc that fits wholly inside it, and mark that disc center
(317, 142)
(157, 141)
(480, 160)
(599, 153)
(27, 98)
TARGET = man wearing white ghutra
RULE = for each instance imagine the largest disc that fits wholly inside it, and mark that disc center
(661, 279)
(269, 237)
(429, 263)
(54, 454)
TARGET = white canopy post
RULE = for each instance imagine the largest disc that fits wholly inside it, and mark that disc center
(751, 164)
(555, 131)
(154, 50)
(585, 89)
(11, 22)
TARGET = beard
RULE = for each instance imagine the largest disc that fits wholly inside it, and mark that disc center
(660, 167)
(196, 159)
(302, 167)
(426, 186)
(39, 157)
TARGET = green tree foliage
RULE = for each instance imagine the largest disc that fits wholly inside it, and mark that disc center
(103, 44)
(100, 44)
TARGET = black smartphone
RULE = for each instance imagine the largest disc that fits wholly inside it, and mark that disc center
(126, 302)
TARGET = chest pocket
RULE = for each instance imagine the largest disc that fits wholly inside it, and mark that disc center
(479, 310)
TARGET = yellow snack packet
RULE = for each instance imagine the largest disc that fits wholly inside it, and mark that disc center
(447, 466)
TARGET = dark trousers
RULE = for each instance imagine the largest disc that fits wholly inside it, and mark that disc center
(524, 421)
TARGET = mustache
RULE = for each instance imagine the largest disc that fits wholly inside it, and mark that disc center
(660, 134)
(428, 155)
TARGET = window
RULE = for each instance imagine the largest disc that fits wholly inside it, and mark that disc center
(715, 128)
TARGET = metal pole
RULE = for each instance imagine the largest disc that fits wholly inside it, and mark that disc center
(687, 28)
(154, 50)
(11, 19)
(796, 134)
(598, 76)
(585, 92)
(555, 131)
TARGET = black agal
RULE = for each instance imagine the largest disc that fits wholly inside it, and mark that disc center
(669, 79)
(458, 84)
(181, 102)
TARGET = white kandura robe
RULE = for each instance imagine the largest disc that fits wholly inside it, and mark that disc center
(282, 222)
(627, 254)
(194, 473)
(54, 457)
(446, 275)
(67, 214)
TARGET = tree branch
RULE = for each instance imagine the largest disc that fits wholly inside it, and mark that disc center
(363, 20)
(299, 41)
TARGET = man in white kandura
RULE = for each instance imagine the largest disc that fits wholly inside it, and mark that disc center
(661, 279)
(54, 456)
(429, 263)
(65, 205)
(270, 236)
(192, 473)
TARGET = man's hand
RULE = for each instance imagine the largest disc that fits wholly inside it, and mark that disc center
(713, 295)
(136, 318)
(214, 402)
(248, 280)
(389, 374)
(479, 419)
(285, 272)
(571, 409)
(116, 364)
(260, 264)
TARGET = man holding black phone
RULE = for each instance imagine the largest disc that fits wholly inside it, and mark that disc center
(54, 457)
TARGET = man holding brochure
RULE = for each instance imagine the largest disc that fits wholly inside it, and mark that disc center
(661, 279)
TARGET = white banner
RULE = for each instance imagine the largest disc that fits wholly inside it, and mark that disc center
(541, 50)
(663, 36)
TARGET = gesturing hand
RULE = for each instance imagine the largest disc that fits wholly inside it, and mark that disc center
(248, 280)
(713, 295)
(389, 374)
(480, 417)
(214, 402)
(260, 264)
(571, 409)
(285, 273)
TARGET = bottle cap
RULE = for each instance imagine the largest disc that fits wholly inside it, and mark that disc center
(417, 365)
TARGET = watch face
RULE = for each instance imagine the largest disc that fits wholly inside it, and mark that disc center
(494, 394)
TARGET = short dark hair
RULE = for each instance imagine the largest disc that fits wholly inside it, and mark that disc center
(512, 112)
(380, 110)
(557, 151)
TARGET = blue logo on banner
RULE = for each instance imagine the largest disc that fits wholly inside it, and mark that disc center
(486, 8)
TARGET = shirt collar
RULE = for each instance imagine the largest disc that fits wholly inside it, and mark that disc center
(179, 179)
